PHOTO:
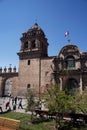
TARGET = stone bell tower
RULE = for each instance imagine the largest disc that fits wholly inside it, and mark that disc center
(34, 47)
(33, 43)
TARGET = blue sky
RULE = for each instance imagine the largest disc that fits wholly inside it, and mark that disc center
(55, 17)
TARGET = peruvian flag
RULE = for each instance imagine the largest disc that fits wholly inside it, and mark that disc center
(66, 33)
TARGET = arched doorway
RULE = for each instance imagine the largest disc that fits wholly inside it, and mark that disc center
(8, 87)
(71, 86)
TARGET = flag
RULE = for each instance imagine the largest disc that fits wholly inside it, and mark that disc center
(66, 33)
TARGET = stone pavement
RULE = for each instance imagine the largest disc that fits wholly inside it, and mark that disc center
(4, 100)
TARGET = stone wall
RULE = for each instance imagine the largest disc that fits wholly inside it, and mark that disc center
(14, 84)
(46, 72)
(28, 75)
(36, 75)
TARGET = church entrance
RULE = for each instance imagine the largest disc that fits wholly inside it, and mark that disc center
(71, 86)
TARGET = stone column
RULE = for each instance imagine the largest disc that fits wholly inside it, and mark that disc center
(37, 42)
(80, 84)
(60, 83)
(29, 44)
(22, 45)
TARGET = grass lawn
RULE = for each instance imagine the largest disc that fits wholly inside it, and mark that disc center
(26, 123)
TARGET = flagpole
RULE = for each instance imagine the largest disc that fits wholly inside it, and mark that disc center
(69, 41)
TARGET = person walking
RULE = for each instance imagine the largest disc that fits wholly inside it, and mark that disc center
(15, 100)
(14, 107)
(7, 105)
(20, 104)
(12, 101)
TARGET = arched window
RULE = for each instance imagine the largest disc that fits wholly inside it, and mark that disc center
(26, 45)
(33, 44)
(8, 87)
(70, 62)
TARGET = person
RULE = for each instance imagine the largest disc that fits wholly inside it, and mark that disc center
(9, 94)
(15, 100)
(14, 107)
(7, 104)
(12, 101)
(20, 104)
(1, 109)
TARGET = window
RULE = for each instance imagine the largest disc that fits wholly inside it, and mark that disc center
(28, 62)
(70, 62)
(33, 44)
(28, 86)
(34, 32)
(26, 45)
(47, 85)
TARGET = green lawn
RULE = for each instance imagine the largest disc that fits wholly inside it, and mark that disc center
(26, 123)
(39, 124)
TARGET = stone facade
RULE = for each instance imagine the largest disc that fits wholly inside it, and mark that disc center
(9, 82)
(37, 70)
(70, 68)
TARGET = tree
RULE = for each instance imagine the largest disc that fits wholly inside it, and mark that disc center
(30, 99)
(81, 102)
(58, 102)
(32, 102)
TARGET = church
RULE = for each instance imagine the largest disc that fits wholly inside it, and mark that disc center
(37, 70)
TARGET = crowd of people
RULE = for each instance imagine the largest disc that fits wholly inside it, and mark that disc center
(16, 101)
(12, 103)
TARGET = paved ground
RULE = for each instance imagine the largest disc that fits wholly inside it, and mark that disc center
(4, 100)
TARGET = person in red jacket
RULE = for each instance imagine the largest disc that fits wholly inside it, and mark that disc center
(7, 104)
